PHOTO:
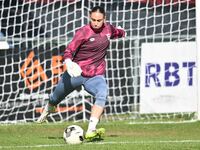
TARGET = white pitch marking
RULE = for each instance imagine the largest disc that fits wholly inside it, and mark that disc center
(111, 142)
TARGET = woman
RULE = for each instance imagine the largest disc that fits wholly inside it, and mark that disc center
(85, 61)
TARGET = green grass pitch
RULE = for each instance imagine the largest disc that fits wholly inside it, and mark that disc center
(119, 136)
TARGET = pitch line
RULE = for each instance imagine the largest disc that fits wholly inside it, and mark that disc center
(147, 142)
(99, 143)
(164, 122)
(33, 146)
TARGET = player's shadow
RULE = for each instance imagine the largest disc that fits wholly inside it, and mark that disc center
(96, 140)
(113, 135)
(51, 137)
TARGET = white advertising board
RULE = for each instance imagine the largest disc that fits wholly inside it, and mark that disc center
(168, 80)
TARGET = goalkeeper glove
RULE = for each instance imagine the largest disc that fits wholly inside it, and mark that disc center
(119, 27)
(73, 68)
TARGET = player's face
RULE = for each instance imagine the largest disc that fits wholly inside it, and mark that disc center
(97, 19)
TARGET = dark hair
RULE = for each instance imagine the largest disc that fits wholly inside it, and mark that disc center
(98, 8)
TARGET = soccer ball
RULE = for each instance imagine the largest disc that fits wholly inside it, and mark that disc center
(73, 134)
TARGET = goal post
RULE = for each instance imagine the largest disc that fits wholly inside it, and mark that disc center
(198, 54)
(38, 32)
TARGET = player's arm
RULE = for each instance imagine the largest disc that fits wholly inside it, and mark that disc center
(72, 47)
(117, 32)
(73, 68)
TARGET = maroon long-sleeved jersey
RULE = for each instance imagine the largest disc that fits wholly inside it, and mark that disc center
(88, 48)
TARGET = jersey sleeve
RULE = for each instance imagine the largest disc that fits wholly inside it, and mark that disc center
(117, 32)
(73, 46)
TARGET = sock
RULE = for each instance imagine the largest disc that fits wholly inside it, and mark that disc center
(92, 124)
(49, 108)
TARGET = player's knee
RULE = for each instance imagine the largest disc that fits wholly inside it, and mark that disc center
(101, 99)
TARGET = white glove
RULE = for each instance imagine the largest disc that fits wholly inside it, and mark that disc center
(119, 27)
(73, 68)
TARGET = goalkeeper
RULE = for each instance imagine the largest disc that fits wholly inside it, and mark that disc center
(84, 58)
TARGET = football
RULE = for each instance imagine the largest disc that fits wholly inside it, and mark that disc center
(73, 134)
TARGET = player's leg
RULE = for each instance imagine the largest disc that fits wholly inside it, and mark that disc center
(92, 131)
(97, 87)
(65, 86)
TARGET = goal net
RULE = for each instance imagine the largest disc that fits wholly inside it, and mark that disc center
(34, 34)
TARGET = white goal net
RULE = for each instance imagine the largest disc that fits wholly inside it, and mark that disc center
(37, 32)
